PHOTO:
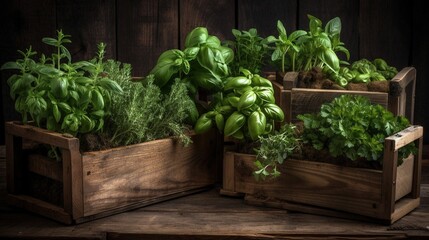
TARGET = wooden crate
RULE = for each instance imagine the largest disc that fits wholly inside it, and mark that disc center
(321, 188)
(294, 101)
(100, 183)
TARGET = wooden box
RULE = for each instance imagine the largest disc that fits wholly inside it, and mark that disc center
(321, 188)
(294, 101)
(100, 183)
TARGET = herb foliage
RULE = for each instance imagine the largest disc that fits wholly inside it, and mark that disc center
(352, 127)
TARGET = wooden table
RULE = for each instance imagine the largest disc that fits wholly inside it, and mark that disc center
(208, 215)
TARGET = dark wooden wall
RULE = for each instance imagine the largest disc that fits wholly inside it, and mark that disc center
(137, 31)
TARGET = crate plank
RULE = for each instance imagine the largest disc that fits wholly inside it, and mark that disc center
(145, 29)
(314, 187)
(100, 183)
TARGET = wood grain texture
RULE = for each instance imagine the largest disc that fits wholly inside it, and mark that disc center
(88, 23)
(310, 100)
(385, 31)
(263, 15)
(23, 24)
(327, 189)
(217, 16)
(145, 30)
(123, 176)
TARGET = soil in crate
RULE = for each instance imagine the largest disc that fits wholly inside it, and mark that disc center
(315, 79)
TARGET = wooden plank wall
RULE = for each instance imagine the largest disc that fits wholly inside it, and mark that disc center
(137, 31)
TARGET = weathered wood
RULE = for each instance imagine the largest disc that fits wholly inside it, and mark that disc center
(401, 93)
(44, 166)
(89, 23)
(310, 100)
(40, 207)
(322, 188)
(122, 176)
(145, 29)
(208, 215)
(217, 16)
(263, 15)
(38, 135)
(373, 33)
(101, 183)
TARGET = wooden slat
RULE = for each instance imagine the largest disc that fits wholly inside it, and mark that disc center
(310, 100)
(417, 173)
(314, 183)
(40, 207)
(39, 135)
(73, 180)
(405, 136)
(45, 167)
(14, 164)
(373, 31)
(228, 173)
(145, 30)
(129, 175)
(217, 16)
(88, 23)
(23, 24)
(263, 15)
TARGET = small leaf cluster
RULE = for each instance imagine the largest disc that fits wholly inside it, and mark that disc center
(302, 50)
(245, 109)
(274, 149)
(352, 127)
(143, 112)
(58, 94)
(251, 51)
(363, 71)
(202, 64)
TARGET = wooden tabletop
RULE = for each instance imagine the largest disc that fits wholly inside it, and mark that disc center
(208, 215)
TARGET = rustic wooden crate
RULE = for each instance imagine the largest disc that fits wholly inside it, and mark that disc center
(322, 188)
(294, 101)
(100, 183)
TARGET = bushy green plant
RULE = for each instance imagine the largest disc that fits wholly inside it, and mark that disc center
(144, 113)
(274, 149)
(250, 51)
(303, 50)
(245, 108)
(352, 127)
(363, 71)
(61, 95)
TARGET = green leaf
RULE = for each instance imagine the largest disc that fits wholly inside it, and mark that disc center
(196, 37)
(97, 99)
(56, 112)
(10, 65)
(50, 41)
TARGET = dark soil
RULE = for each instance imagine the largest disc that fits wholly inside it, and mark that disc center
(316, 79)
(94, 142)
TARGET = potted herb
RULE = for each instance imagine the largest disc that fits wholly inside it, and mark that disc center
(311, 60)
(111, 137)
(356, 160)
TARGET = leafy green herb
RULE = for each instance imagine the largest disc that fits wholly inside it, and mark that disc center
(61, 95)
(245, 109)
(202, 64)
(304, 50)
(144, 113)
(351, 126)
(274, 149)
(250, 51)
